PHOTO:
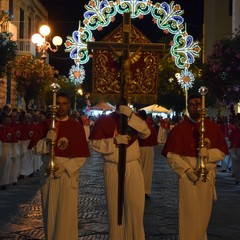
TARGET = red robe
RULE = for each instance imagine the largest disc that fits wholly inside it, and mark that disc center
(67, 145)
(151, 140)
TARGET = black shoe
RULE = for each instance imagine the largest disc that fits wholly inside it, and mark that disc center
(14, 184)
(229, 169)
(224, 171)
(237, 182)
(147, 196)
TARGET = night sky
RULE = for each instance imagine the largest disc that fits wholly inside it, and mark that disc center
(64, 17)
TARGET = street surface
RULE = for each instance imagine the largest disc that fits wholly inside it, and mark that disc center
(21, 217)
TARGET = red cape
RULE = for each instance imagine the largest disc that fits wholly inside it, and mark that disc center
(73, 137)
(184, 138)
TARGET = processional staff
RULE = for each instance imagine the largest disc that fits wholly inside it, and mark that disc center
(201, 170)
(53, 108)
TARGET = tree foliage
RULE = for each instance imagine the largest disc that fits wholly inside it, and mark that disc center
(222, 69)
(170, 93)
(32, 76)
(8, 51)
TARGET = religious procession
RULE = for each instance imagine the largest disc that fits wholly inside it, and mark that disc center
(195, 147)
(174, 99)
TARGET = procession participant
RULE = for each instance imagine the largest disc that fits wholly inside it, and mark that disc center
(26, 163)
(147, 154)
(60, 191)
(18, 130)
(7, 140)
(86, 125)
(105, 139)
(38, 117)
(163, 130)
(234, 138)
(182, 151)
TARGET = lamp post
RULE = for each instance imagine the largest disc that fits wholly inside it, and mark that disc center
(42, 44)
(80, 92)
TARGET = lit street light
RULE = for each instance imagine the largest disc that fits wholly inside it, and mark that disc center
(80, 92)
(42, 44)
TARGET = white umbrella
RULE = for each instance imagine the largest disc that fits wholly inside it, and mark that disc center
(156, 108)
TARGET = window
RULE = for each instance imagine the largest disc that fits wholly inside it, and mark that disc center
(21, 31)
(10, 7)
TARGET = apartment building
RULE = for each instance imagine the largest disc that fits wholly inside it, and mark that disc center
(221, 19)
(28, 15)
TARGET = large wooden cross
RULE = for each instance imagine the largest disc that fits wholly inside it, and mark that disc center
(125, 58)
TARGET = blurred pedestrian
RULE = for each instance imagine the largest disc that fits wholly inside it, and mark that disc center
(163, 131)
(234, 138)
(7, 153)
(26, 160)
(18, 131)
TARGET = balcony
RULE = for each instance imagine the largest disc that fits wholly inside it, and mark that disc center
(25, 46)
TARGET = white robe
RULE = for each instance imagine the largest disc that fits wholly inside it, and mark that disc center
(146, 162)
(133, 210)
(60, 196)
(6, 160)
(15, 168)
(26, 161)
(195, 199)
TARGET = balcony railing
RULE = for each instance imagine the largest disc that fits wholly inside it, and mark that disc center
(26, 46)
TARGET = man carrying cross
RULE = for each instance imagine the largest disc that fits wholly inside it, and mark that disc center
(105, 138)
(115, 137)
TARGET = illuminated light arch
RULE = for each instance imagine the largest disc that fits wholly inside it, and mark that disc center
(168, 17)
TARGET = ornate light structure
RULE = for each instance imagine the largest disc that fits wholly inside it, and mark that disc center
(167, 16)
(42, 44)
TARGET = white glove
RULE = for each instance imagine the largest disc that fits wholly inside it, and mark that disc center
(125, 110)
(58, 171)
(203, 152)
(191, 175)
(121, 139)
(51, 135)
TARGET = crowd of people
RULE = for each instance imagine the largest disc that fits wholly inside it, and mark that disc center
(25, 147)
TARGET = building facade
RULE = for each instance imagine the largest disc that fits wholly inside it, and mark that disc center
(28, 15)
(221, 20)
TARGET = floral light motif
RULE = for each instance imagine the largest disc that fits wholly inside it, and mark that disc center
(185, 79)
(138, 8)
(76, 45)
(184, 50)
(99, 14)
(77, 74)
(168, 17)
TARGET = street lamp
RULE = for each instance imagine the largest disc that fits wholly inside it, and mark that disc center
(42, 44)
(80, 92)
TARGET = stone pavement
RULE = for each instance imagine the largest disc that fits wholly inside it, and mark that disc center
(21, 218)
